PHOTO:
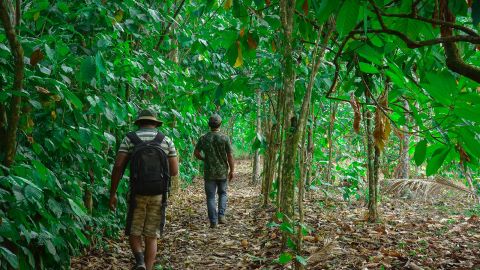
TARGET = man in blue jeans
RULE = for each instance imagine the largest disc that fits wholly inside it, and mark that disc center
(215, 151)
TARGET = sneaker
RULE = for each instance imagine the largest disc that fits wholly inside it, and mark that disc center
(222, 220)
(213, 225)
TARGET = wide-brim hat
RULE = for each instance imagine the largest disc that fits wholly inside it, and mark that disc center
(148, 115)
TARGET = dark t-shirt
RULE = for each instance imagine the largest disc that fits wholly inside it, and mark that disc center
(215, 147)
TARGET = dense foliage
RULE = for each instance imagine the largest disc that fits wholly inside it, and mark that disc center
(90, 65)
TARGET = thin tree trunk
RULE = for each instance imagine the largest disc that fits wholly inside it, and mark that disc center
(310, 152)
(468, 175)
(402, 171)
(14, 112)
(88, 199)
(333, 112)
(273, 147)
(258, 126)
(300, 197)
(372, 199)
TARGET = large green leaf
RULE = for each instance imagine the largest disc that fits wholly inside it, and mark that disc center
(441, 86)
(325, 8)
(88, 69)
(9, 257)
(437, 159)
(76, 208)
(367, 68)
(420, 152)
(476, 12)
(347, 17)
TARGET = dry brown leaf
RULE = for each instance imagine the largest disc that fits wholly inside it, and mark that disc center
(244, 243)
(309, 238)
(36, 57)
(356, 110)
(305, 7)
(382, 123)
(42, 90)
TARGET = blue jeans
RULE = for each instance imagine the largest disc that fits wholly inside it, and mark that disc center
(219, 187)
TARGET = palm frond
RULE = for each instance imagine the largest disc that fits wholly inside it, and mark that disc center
(425, 187)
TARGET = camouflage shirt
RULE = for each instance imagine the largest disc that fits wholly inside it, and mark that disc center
(215, 147)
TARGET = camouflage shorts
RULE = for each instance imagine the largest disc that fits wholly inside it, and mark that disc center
(146, 216)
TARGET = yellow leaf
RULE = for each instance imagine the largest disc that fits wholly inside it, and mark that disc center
(53, 114)
(119, 15)
(30, 123)
(242, 32)
(274, 47)
(36, 15)
(228, 4)
(239, 61)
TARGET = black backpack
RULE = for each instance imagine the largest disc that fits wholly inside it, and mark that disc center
(149, 169)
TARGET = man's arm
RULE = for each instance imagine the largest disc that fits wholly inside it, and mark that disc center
(231, 164)
(198, 154)
(173, 166)
(117, 173)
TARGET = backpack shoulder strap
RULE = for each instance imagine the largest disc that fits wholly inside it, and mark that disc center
(134, 138)
(159, 138)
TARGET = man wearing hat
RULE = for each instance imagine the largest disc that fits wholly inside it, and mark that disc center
(145, 213)
(215, 151)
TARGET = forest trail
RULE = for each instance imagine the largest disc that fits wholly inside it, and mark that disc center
(188, 242)
(413, 234)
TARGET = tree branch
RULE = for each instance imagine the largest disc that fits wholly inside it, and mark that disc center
(167, 29)
(14, 114)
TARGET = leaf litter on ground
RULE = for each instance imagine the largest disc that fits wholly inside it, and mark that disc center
(412, 234)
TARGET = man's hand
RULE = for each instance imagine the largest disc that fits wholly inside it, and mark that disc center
(230, 176)
(113, 202)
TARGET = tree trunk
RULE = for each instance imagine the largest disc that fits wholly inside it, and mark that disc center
(88, 198)
(14, 110)
(273, 139)
(372, 199)
(301, 195)
(258, 126)
(310, 152)
(333, 111)
(403, 168)
(287, 191)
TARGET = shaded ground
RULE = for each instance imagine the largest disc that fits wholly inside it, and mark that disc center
(412, 235)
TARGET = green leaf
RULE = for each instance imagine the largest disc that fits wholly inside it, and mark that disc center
(232, 54)
(441, 86)
(9, 257)
(367, 68)
(476, 12)
(420, 152)
(76, 208)
(458, 7)
(285, 258)
(88, 69)
(73, 99)
(81, 236)
(301, 260)
(437, 159)
(347, 17)
(325, 9)
(239, 10)
(51, 248)
(470, 141)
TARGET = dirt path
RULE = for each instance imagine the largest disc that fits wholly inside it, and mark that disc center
(188, 242)
(413, 234)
